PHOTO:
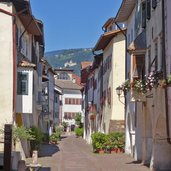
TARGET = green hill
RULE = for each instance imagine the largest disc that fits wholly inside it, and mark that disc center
(60, 58)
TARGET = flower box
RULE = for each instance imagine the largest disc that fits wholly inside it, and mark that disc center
(138, 96)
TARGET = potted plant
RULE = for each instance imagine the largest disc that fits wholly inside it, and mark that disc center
(168, 80)
(37, 133)
(79, 132)
(21, 133)
(112, 143)
(98, 142)
(65, 124)
(55, 137)
(120, 141)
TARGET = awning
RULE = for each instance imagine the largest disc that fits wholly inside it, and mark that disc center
(105, 39)
(26, 63)
(125, 10)
(58, 90)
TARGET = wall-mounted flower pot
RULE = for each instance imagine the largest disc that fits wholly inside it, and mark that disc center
(137, 96)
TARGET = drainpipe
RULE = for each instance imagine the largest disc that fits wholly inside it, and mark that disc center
(165, 73)
(14, 56)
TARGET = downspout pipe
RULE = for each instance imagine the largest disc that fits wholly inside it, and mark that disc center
(14, 56)
(165, 73)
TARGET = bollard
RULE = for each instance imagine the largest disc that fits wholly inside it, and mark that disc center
(34, 157)
(21, 165)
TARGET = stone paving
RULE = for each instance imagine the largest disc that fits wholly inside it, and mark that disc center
(73, 154)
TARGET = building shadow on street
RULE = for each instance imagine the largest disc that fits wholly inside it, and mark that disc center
(135, 162)
(48, 150)
(45, 169)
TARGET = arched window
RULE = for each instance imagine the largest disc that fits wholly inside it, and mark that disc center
(64, 76)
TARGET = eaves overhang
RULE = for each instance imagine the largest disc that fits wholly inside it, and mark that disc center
(125, 10)
(105, 39)
(30, 24)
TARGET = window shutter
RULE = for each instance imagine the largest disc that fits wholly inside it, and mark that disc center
(148, 9)
(154, 4)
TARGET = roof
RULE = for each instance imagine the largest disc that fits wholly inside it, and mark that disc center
(40, 38)
(105, 39)
(58, 90)
(125, 10)
(26, 63)
(139, 43)
(31, 24)
(23, 9)
(64, 69)
(67, 84)
(85, 64)
(77, 78)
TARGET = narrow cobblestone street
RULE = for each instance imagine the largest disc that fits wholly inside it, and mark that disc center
(73, 154)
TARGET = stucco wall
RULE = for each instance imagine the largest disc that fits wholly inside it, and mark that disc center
(6, 66)
(113, 78)
(71, 108)
(118, 68)
(130, 106)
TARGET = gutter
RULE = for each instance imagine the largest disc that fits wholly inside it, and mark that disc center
(165, 73)
(14, 57)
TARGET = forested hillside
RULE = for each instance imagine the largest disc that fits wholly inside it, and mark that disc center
(61, 58)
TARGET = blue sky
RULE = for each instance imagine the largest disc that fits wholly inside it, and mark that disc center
(73, 23)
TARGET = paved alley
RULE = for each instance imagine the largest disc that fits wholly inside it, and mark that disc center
(73, 154)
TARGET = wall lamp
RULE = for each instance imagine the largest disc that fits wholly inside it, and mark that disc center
(119, 91)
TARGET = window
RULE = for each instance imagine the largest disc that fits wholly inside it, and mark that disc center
(143, 24)
(73, 101)
(149, 60)
(69, 115)
(156, 56)
(154, 4)
(138, 66)
(161, 53)
(148, 4)
(132, 35)
(138, 18)
(64, 76)
(22, 83)
(56, 99)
